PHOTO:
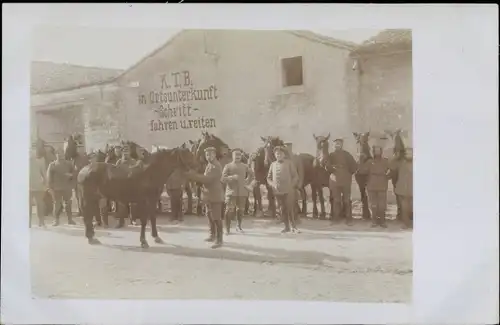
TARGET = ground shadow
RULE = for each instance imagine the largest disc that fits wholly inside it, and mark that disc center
(76, 231)
(266, 255)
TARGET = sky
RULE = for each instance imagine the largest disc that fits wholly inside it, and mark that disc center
(120, 48)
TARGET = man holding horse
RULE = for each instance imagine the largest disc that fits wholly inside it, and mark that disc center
(294, 195)
(213, 195)
(343, 166)
(37, 185)
(126, 161)
(377, 169)
(60, 176)
(404, 186)
(236, 175)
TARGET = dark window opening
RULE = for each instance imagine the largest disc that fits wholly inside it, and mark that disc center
(292, 71)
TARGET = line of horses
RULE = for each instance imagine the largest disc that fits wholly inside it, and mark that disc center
(143, 186)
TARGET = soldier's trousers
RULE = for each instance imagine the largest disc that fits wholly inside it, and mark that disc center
(378, 205)
(176, 203)
(406, 209)
(213, 211)
(60, 198)
(342, 201)
(234, 205)
(286, 210)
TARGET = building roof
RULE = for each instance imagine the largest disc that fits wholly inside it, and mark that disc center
(387, 40)
(311, 36)
(47, 77)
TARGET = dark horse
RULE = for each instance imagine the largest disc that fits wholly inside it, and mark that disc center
(140, 184)
(362, 140)
(398, 154)
(321, 176)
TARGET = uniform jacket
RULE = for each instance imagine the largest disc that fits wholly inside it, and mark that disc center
(245, 176)
(37, 174)
(377, 171)
(176, 180)
(282, 176)
(58, 175)
(404, 185)
(344, 167)
(212, 185)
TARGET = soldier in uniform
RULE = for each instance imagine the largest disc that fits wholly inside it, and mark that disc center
(125, 161)
(295, 195)
(236, 175)
(378, 171)
(37, 185)
(213, 195)
(60, 176)
(283, 179)
(343, 166)
(404, 186)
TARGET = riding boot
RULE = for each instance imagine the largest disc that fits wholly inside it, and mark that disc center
(219, 234)
(212, 226)
(348, 212)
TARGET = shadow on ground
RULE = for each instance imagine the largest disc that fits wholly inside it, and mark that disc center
(265, 255)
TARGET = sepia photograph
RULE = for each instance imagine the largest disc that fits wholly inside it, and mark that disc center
(249, 164)
(221, 164)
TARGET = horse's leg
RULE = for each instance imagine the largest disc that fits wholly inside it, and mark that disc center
(314, 194)
(321, 203)
(189, 194)
(89, 201)
(303, 196)
(271, 201)
(152, 217)
(144, 216)
(247, 205)
(398, 200)
(331, 203)
(257, 200)
(198, 203)
(364, 201)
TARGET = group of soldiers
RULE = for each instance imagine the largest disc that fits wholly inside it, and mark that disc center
(227, 188)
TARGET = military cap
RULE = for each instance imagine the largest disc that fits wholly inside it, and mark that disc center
(341, 140)
(210, 149)
(237, 149)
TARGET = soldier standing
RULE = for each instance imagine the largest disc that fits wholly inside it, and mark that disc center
(343, 166)
(60, 182)
(404, 186)
(213, 195)
(377, 170)
(236, 175)
(295, 195)
(37, 185)
(126, 161)
(283, 179)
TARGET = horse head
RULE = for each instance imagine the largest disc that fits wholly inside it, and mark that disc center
(270, 143)
(399, 146)
(362, 139)
(322, 146)
(97, 156)
(167, 160)
(210, 140)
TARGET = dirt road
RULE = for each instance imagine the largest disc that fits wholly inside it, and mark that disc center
(336, 263)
